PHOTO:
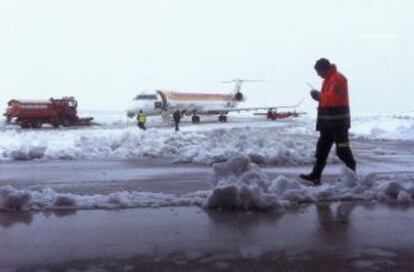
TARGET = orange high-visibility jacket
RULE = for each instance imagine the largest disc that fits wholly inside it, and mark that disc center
(334, 91)
(333, 111)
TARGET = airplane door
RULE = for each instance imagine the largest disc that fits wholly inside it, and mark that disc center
(157, 105)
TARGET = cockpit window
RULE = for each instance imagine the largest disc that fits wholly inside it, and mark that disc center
(146, 97)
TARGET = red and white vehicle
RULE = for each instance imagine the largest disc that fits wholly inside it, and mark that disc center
(35, 113)
(273, 114)
(164, 103)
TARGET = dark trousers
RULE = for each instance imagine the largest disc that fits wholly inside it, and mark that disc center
(141, 125)
(343, 150)
(177, 128)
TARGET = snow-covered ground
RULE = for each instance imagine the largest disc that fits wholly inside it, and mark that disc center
(275, 142)
(239, 183)
(398, 126)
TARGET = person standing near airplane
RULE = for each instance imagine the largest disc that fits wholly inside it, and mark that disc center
(177, 119)
(333, 120)
(142, 119)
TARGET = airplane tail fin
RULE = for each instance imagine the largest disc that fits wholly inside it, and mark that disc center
(238, 83)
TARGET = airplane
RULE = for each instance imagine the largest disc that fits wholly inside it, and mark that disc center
(164, 102)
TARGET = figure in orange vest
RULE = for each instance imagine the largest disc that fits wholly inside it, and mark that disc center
(333, 120)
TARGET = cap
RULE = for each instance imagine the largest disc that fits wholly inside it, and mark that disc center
(322, 64)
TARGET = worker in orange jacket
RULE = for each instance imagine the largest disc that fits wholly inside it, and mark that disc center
(333, 120)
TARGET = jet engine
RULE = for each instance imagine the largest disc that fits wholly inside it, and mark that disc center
(239, 97)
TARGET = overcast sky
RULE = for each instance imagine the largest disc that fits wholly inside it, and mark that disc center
(104, 52)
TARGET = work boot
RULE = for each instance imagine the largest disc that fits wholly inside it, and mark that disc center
(352, 166)
(314, 178)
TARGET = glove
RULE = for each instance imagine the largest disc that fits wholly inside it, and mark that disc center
(315, 95)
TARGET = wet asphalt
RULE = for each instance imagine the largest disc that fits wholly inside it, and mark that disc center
(347, 236)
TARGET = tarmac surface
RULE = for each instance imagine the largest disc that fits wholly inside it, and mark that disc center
(347, 236)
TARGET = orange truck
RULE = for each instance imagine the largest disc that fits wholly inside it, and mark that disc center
(56, 112)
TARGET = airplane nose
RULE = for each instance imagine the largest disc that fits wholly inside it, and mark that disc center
(135, 107)
(132, 109)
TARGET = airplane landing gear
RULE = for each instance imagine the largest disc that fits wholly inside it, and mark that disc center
(195, 119)
(166, 117)
(222, 118)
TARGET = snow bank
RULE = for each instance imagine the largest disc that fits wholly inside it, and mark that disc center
(242, 185)
(372, 126)
(12, 199)
(265, 145)
(236, 184)
(384, 126)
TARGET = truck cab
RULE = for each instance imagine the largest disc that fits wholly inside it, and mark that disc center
(66, 107)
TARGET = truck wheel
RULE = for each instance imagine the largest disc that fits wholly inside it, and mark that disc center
(25, 124)
(54, 122)
(66, 123)
(37, 124)
(223, 118)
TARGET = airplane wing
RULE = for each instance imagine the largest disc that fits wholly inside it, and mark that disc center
(247, 109)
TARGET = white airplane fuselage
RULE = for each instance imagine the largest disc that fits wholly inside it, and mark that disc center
(159, 102)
